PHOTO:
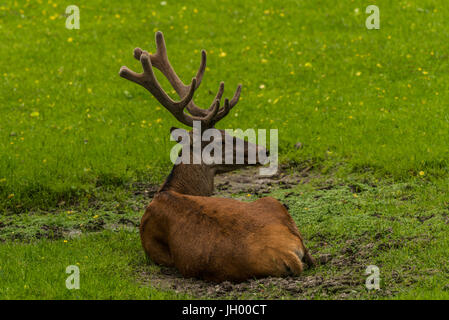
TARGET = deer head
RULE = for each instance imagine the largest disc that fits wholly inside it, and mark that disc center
(184, 177)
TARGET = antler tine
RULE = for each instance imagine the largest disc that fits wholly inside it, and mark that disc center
(220, 91)
(228, 105)
(223, 112)
(192, 107)
(148, 80)
(204, 112)
(209, 119)
(161, 62)
(200, 72)
(160, 59)
(236, 96)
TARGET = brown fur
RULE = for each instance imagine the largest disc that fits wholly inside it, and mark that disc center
(220, 239)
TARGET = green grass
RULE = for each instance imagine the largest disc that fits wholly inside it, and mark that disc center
(359, 221)
(400, 227)
(95, 128)
(38, 271)
(74, 136)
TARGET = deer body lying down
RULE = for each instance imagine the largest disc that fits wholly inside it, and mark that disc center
(221, 239)
(211, 238)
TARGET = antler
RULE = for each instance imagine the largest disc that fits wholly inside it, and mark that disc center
(208, 117)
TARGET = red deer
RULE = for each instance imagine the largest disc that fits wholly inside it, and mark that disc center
(216, 239)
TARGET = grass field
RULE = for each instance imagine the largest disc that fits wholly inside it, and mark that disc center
(79, 144)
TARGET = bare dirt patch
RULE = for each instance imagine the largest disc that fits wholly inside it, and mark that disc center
(249, 181)
(346, 283)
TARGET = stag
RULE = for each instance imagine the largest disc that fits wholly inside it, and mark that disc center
(215, 239)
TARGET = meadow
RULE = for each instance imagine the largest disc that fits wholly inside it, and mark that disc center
(82, 150)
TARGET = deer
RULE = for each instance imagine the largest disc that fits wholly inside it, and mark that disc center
(184, 226)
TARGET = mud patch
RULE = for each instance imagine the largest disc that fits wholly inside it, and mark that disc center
(342, 278)
(51, 232)
(338, 275)
(249, 181)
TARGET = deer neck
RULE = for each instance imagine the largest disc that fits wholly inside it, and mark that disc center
(191, 179)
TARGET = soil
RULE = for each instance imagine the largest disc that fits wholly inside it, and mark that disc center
(249, 181)
(346, 283)
(341, 286)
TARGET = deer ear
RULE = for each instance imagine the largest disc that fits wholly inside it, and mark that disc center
(178, 134)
